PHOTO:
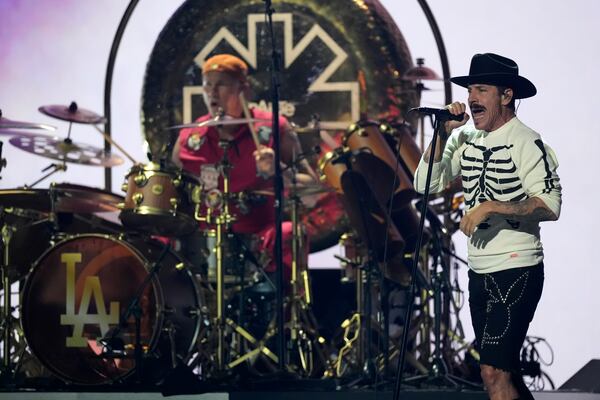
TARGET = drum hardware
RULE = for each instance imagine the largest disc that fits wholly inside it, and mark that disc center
(65, 150)
(55, 167)
(61, 198)
(8, 320)
(438, 292)
(66, 325)
(405, 147)
(219, 215)
(159, 199)
(417, 75)
(364, 182)
(366, 135)
(304, 339)
(113, 346)
(72, 113)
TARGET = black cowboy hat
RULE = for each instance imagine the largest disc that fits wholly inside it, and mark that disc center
(492, 69)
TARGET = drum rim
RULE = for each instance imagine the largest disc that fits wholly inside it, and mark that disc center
(156, 169)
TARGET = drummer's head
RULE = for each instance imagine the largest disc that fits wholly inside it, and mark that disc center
(224, 77)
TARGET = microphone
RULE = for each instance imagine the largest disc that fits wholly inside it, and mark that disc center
(439, 113)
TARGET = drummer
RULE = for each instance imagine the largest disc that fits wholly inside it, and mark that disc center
(197, 150)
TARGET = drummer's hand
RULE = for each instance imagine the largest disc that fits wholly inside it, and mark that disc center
(474, 217)
(265, 161)
(456, 108)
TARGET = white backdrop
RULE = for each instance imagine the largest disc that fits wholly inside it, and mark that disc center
(53, 52)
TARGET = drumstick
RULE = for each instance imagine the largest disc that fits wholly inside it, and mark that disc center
(328, 139)
(249, 117)
(109, 140)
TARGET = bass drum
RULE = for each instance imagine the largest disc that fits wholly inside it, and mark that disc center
(76, 292)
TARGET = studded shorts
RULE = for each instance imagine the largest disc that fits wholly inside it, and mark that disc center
(502, 306)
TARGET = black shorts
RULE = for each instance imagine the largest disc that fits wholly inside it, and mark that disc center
(502, 306)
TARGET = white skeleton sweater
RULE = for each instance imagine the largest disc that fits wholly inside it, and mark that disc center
(509, 164)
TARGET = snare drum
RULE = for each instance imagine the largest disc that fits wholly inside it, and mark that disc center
(158, 200)
(76, 292)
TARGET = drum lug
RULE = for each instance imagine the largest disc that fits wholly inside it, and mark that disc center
(177, 182)
(197, 194)
(174, 203)
(387, 129)
(157, 189)
(120, 206)
(194, 312)
(138, 198)
(125, 187)
(140, 179)
(168, 311)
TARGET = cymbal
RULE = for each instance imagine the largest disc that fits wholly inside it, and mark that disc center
(220, 121)
(65, 150)
(7, 124)
(421, 73)
(72, 113)
(68, 198)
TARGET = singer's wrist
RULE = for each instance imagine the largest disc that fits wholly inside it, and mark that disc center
(443, 133)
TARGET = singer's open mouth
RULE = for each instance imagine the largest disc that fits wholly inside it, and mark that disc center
(477, 110)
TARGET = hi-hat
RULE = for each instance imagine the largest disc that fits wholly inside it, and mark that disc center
(72, 113)
(7, 124)
(220, 121)
(65, 150)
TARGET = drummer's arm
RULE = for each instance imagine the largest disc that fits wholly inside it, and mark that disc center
(175, 155)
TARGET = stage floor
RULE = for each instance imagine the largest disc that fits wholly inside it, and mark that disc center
(305, 395)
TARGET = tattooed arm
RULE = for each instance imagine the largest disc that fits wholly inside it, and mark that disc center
(533, 210)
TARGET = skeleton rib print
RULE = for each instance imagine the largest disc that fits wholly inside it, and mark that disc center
(489, 174)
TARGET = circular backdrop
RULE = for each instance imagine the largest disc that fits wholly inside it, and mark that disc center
(340, 59)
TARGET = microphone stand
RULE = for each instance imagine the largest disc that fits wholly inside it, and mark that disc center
(438, 125)
(133, 308)
(278, 187)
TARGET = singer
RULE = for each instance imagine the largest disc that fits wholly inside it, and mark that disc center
(200, 152)
(510, 185)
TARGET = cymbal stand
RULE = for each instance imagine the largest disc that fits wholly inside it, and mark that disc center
(363, 332)
(303, 337)
(7, 232)
(2, 160)
(56, 167)
(8, 322)
(222, 221)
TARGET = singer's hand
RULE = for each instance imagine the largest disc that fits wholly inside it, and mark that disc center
(474, 217)
(265, 161)
(456, 108)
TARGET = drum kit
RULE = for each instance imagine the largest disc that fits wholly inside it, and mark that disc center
(110, 302)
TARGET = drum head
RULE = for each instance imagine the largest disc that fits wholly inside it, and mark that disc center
(76, 293)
